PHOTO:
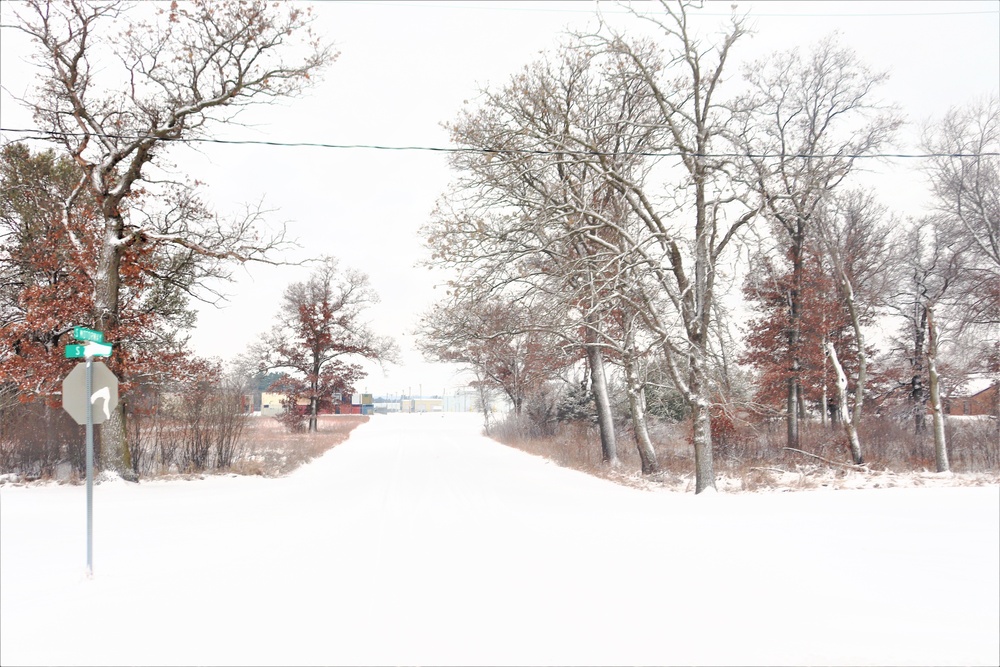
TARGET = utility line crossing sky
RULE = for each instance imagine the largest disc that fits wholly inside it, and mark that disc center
(353, 168)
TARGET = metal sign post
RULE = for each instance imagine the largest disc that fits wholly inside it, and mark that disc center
(93, 346)
(90, 466)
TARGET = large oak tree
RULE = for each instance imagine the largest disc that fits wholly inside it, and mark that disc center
(118, 86)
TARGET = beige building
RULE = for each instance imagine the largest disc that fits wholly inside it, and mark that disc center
(271, 404)
(421, 405)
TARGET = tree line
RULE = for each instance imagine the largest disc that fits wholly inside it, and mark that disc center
(616, 193)
(627, 207)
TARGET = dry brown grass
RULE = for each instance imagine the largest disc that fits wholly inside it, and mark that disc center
(752, 457)
(272, 451)
(267, 448)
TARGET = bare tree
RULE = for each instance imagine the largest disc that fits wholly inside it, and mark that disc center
(853, 232)
(508, 345)
(965, 175)
(574, 144)
(934, 307)
(633, 354)
(525, 214)
(115, 90)
(965, 182)
(804, 124)
(685, 224)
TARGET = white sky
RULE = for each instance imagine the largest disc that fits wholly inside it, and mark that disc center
(420, 542)
(406, 67)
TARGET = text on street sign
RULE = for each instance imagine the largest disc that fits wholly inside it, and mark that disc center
(83, 333)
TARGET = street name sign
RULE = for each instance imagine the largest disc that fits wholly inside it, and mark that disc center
(88, 349)
(83, 333)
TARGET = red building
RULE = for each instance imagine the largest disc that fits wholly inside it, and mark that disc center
(975, 400)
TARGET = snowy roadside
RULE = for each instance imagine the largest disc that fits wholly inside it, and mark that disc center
(804, 478)
(810, 477)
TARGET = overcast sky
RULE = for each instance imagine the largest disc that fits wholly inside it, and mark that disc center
(406, 67)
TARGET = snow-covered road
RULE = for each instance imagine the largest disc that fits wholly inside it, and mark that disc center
(420, 542)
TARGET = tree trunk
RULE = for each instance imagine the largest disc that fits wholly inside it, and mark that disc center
(316, 367)
(824, 404)
(849, 427)
(937, 413)
(792, 416)
(115, 455)
(996, 411)
(919, 410)
(701, 418)
(599, 384)
(859, 386)
(484, 403)
(794, 317)
(637, 406)
(49, 454)
(647, 454)
(917, 371)
(825, 400)
(704, 468)
(313, 414)
(698, 307)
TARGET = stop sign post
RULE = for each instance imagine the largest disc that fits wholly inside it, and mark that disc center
(86, 385)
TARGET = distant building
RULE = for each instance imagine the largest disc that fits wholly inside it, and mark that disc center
(464, 400)
(355, 404)
(976, 397)
(421, 405)
(271, 404)
(386, 407)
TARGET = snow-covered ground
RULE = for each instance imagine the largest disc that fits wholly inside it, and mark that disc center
(420, 542)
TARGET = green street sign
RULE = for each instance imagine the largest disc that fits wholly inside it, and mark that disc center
(88, 350)
(83, 333)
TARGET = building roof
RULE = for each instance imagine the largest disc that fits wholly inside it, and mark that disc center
(975, 384)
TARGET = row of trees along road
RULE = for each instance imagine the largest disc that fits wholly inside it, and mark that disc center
(127, 242)
(604, 193)
(602, 200)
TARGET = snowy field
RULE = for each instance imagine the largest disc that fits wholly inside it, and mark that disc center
(420, 542)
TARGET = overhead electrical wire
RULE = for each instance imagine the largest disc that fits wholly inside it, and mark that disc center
(567, 8)
(40, 135)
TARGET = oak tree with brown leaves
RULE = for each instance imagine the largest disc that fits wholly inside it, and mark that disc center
(118, 87)
(320, 337)
(780, 359)
(46, 287)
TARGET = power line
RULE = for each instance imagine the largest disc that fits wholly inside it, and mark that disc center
(40, 135)
(560, 8)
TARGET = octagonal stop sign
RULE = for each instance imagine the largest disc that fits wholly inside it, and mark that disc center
(103, 395)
